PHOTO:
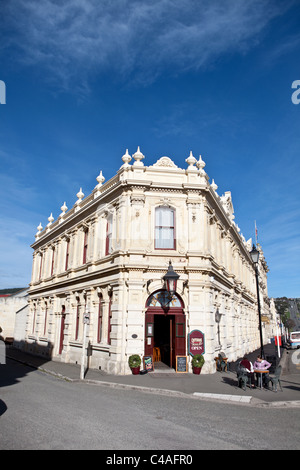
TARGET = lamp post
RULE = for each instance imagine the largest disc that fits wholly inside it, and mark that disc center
(218, 316)
(255, 257)
(86, 321)
(171, 278)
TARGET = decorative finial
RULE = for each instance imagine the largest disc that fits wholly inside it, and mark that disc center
(126, 159)
(64, 208)
(63, 211)
(191, 160)
(50, 218)
(80, 195)
(213, 185)
(138, 156)
(40, 228)
(100, 178)
(200, 163)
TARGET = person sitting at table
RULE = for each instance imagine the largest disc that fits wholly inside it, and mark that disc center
(261, 364)
(246, 364)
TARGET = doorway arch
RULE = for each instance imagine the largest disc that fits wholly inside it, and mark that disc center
(165, 326)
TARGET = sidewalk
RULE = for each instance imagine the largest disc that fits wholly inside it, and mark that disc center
(219, 386)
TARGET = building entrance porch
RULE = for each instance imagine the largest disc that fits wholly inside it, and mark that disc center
(165, 336)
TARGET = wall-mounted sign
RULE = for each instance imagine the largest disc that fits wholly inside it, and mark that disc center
(196, 343)
(150, 328)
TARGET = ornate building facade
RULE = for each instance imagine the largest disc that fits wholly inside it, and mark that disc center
(105, 259)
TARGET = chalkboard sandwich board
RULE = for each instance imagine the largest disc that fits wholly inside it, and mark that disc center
(148, 363)
(181, 364)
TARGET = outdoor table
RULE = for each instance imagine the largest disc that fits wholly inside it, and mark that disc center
(261, 371)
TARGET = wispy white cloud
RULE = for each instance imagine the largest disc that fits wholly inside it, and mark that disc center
(136, 39)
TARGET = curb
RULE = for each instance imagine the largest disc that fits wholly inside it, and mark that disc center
(234, 399)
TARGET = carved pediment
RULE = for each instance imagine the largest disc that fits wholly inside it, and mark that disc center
(165, 162)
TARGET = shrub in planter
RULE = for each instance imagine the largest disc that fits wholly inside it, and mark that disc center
(197, 363)
(134, 362)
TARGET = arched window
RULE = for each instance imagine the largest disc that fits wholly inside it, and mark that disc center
(164, 228)
(162, 298)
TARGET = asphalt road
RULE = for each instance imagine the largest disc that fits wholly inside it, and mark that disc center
(39, 411)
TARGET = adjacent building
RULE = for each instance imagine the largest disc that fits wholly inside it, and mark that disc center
(13, 315)
(103, 262)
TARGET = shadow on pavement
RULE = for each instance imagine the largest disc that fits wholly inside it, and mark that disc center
(11, 375)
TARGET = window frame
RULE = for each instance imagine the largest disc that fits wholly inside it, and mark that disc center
(52, 262)
(77, 320)
(85, 246)
(108, 235)
(109, 321)
(41, 266)
(160, 227)
(100, 319)
(45, 318)
(67, 254)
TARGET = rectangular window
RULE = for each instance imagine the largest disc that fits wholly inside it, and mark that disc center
(164, 228)
(85, 246)
(45, 322)
(108, 247)
(67, 255)
(52, 263)
(77, 320)
(34, 317)
(100, 312)
(41, 267)
(109, 323)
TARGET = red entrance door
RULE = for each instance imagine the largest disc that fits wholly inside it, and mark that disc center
(165, 328)
(166, 332)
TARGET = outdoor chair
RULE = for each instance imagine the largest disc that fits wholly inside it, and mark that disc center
(275, 379)
(242, 378)
(222, 363)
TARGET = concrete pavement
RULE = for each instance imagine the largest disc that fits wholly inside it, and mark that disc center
(218, 386)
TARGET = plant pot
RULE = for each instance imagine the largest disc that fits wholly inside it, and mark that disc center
(197, 370)
(135, 370)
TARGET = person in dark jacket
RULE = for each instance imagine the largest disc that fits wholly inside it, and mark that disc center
(246, 364)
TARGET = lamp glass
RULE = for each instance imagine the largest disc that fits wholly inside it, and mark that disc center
(170, 279)
(254, 255)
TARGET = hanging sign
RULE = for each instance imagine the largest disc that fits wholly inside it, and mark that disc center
(196, 343)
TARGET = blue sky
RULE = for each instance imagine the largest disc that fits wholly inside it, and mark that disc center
(87, 79)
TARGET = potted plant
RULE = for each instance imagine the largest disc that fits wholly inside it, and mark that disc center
(197, 363)
(134, 362)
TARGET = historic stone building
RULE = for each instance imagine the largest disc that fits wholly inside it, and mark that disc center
(106, 256)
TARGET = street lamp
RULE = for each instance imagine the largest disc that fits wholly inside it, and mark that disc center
(218, 316)
(86, 322)
(171, 278)
(255, 257)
